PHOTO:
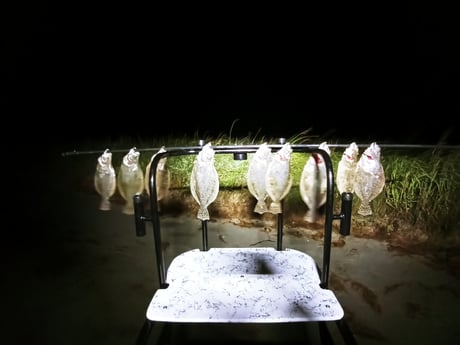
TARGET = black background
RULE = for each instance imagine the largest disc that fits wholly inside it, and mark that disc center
(382, 72)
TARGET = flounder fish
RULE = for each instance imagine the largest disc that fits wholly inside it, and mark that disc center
(163, 176)
(313, 183)
(369, 178)
(278, 179)
(255, 177)
(130, 180)
(346, 169)
(105, 181)
(204, 181)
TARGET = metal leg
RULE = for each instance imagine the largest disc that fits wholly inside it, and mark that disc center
(346, 333)
(324, 334)
(144, 334)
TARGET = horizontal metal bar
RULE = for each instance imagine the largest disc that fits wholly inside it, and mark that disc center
(154, 149)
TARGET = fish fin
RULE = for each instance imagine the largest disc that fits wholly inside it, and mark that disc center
(311, 216)
(275, 207)
(365, 209)
(203, 213)
(128, 208)
(261, 207)
(105, 205)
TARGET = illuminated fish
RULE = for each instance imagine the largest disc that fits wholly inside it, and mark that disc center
(163, 176)
(346, 169)
(257, 171)
(105, 181)
(278, 180)
(204, 181)
(130, 180)
(313, 183)
(369, 178)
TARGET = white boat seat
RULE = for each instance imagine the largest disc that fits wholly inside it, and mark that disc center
(243, 285)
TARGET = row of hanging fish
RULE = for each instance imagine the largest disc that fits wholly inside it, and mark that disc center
(268, 178)
(131, 179)
(364, 177)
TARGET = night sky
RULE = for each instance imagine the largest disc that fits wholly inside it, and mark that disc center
(383, 72)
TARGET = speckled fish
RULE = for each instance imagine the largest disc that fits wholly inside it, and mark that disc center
(204, 181)
(163, 176)
(346, 169)
(313, 183)
(105, 181)
(278, 180)
(130, 179)
(255, 177)
(369, 178)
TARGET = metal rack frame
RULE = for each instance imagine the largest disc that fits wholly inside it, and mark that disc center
(240, 152)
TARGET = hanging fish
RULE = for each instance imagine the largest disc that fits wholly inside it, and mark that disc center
(204, 181)
(346, 169)
(369, 178)
(130, 180)
(163, 176)
(313, 183)
(105, 181)
(278, 180)
(257, 171)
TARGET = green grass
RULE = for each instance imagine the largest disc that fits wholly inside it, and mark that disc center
(423, 189)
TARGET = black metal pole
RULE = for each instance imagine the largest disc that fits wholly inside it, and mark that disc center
(345, 213)
(329, 216)
(139, 215)
(204, 234)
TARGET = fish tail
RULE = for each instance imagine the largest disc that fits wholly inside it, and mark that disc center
(261, 207)
(203, 213)
(311, 216)
(128, 208)
(275, 207)
(105, 205)
(365, 209)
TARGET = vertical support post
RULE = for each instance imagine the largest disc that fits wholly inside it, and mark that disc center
(345, 213)
(139, 215)
(329, 215)
(279, 242)
(204, 235)
(155, 216)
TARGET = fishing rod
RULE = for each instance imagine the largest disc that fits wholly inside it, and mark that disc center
(281, 142)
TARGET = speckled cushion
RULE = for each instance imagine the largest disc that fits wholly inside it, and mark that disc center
(243, 285)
